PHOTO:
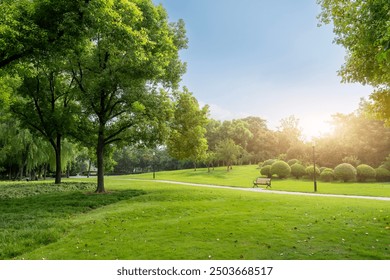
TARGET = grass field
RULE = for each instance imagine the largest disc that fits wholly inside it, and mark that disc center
(243, 176)
(147, 220)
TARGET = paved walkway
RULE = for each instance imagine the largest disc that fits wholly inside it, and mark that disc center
(265, 190)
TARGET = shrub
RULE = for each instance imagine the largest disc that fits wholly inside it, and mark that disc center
(293, 161)
(297, 170)
(327, 175)
(281, 169)
(345, 172)
(382, 174)
(365, 172)
(323, 168)
(266, 171)
(268, 162)
(310, 171)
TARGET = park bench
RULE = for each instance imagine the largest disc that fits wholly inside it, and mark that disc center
(262, 181)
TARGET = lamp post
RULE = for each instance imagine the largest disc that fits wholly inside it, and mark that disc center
(314, 169)
(154, 172)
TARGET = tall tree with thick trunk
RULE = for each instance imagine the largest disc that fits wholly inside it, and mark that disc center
(45, 105)
(132, 51)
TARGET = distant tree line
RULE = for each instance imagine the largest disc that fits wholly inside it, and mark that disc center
(356, 140)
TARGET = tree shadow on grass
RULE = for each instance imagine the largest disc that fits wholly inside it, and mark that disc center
(29, 222)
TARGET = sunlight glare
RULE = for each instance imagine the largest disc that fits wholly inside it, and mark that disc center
(314, 127)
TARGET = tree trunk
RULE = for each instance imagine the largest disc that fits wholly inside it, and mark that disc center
(44, 171)
(89, 168)
(58, 160)
(21, 172)
(100, 162)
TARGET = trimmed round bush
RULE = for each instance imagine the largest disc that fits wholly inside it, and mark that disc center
(327, 175)
(382, 174)
(293, 161)
(345, 172)
(266, 171)
(268, 162)
(281, 169)
(310, 172)
(365, 172)
(298, 170)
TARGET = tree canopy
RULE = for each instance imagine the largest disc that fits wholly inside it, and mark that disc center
(187, 138)
(28, 27)
(362, 28)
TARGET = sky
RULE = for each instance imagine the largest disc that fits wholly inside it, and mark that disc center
(264, 58)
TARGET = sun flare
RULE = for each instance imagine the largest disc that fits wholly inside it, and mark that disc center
(315, 126)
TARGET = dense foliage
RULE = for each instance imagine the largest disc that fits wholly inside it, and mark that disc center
(365, 172)
(382, 174)
(327, 175)
(298, 170)
(362, 28)
(281, 169)
(345, 172)
(310, 171)
(266, 171)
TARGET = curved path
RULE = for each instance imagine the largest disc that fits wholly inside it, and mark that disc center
(265, 190)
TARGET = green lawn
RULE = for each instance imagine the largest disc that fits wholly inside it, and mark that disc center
(243, 176)
(147, 220)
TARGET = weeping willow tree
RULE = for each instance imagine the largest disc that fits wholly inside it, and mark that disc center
(20, 148)
(69, 151)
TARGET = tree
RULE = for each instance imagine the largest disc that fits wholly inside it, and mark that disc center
(131, 51)
(27, 27)
(238, 131)
(366, 139)
(45, 103)
(187, 138)
(228, 152)
(209, 160)
(288, 134)
(213, 133)
(260, 144)
(362, 28)
(20, 152)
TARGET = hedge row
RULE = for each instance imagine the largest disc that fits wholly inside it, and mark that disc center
(343, 172)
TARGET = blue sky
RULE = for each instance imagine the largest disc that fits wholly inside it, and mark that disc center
(264, 58)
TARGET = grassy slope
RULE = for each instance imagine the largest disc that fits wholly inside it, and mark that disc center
(243, 176)
(183, 222)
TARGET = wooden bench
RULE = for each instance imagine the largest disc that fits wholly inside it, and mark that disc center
(262, 181)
